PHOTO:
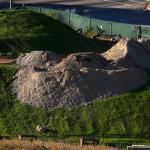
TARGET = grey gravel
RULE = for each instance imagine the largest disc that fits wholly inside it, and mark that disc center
(75, 80)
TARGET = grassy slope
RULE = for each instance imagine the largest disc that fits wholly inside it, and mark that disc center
(127, 114)
(22, 31)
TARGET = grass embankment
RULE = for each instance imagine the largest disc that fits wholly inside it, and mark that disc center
(24, 31)
(127, 116)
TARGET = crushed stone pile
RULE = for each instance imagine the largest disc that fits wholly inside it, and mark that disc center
(75, 80)
(130, 53)
(38, 58)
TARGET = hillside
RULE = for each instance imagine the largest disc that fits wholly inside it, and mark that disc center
(127, 114)
(24, 31)
(51, 81)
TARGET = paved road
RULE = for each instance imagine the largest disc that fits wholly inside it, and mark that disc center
(92, 3)
(99, 9)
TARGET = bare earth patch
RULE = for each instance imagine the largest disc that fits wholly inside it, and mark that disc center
(6, 60)
(27, 145)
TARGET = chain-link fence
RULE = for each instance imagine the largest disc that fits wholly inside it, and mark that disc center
(78, 22)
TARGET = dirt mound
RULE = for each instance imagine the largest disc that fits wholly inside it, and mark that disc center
(38, 58)
(131, 51)
(77, 79)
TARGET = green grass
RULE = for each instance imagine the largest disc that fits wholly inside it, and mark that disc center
(126, 116)
(24, 31)
(119, 142)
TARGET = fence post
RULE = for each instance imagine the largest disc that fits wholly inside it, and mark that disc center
(90, 22)
(136, 32)
(111, 28)
(10, 4)
(81, 141)
(69, 18)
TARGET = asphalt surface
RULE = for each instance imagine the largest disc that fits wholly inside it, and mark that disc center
(92, 3)
(99, 9)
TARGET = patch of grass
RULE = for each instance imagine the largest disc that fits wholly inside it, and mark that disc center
(122, 118)
(118, 142)
(24, 31)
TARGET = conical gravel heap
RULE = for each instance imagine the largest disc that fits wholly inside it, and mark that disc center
(131, 52)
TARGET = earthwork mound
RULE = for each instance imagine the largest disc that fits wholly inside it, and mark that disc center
(48, 80)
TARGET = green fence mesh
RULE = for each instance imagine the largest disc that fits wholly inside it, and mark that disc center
(146, 32)
(77, 22)
(125, 30)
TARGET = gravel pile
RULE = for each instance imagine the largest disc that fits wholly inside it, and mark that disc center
(75, 80)
(131, 52)
(38, 58)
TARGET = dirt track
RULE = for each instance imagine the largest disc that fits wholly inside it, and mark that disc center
(6, 60)
(27, 145)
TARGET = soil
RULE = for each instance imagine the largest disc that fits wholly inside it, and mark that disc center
(6, 60)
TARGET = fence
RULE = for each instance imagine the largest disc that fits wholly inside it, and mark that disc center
(77, 22)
